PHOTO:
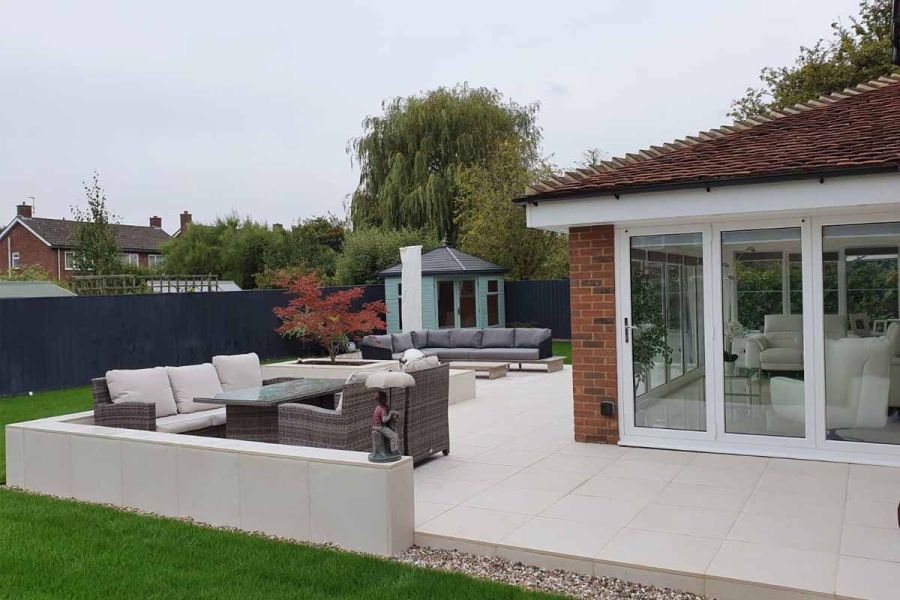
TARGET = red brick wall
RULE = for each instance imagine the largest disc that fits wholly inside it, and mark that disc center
(593, 304)
(32, 251)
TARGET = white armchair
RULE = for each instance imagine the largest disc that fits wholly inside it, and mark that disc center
(780, 346)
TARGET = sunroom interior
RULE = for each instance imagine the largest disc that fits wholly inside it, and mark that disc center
(765, 362)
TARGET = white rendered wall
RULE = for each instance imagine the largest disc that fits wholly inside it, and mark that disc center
(305, 494)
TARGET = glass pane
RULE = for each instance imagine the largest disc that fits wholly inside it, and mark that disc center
(666, 346)
(493, 286)
(446, 305)
(762, 308)
(467, 288)
(862, 332)
(467, 311)
(493, 310)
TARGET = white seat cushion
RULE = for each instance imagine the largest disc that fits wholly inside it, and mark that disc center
(238, 371)
(785, 359)
(194, 381)
(150, 386)
(180, 423)
(217, 417)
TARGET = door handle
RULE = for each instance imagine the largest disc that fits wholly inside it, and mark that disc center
(627, 329)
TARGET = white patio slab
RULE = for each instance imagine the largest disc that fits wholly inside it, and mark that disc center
(732, 527)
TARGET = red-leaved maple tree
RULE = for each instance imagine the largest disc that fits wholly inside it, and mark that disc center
(326, 320)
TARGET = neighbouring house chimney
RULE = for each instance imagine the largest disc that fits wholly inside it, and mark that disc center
(185, 220)
(26, 211)
(155, 222)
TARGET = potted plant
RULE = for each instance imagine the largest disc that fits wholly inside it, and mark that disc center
(650, 329)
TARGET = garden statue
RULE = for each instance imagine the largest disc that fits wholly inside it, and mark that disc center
(385, 420)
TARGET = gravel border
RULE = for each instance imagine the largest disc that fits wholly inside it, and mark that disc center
(555, 581)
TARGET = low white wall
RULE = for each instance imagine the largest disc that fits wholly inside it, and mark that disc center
(305, 494)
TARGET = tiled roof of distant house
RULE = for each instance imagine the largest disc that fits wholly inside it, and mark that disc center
(61, 233)
(447, 261)
(850, 132)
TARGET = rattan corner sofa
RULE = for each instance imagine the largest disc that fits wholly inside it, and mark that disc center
(181, 415)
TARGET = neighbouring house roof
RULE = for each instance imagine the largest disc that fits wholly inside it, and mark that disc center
(448, 261)
(31, 289)
(61, 233)
(855, 131)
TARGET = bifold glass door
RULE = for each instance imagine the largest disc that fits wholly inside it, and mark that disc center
(664, 334)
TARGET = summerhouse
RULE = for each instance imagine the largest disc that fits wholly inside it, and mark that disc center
(458, 290)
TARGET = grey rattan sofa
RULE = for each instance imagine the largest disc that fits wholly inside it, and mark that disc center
(141, 415)
(493, 344)
(349, 429)
(423, 426)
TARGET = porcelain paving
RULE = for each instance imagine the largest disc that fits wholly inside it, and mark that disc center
(474, 523)
(593, 509)
(623, 489)
(786, 531)
(860, 578)
(787, 567)
(702, 496)
(661, 550)
(872, 542)
(871, 513)
(512, 499)
(627, 468)
(426, 511)
(729, 527)
(564, 536)
(687, 520)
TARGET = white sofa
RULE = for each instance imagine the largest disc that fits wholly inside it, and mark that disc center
(858, 381)
(162, 398)
(780, 346)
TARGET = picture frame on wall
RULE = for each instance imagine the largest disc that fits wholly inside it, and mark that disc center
(859, 324)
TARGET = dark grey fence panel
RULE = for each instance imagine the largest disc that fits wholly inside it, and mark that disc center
(541, 304)
(50, 343)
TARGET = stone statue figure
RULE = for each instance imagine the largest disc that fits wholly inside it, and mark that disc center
(385, 442)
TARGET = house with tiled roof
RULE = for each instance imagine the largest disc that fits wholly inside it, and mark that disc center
(50, 243)
(738, 290)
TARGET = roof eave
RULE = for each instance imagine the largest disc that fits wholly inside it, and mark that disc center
(708, 183)
(498, 271)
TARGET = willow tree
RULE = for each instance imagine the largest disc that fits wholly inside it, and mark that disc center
(410, 157)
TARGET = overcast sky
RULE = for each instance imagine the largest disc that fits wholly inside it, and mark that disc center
(248, 106)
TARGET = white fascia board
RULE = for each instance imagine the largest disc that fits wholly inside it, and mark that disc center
(735, 201)
(25, 225)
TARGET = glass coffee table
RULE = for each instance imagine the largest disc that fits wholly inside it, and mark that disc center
(252, 413)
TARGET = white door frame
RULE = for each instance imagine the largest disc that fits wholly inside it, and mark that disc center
(809, 439)
(627, 428)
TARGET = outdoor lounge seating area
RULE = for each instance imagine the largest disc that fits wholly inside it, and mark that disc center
(492, 344)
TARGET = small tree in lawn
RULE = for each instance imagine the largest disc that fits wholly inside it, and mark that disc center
(326, 320)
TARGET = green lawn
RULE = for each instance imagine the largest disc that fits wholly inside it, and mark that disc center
(43, 404)
(563, 349)
(64, 549)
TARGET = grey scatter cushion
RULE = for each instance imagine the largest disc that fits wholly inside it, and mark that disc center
(401, 341)
(465, 338)
(498, 337)
(438, 338)
(531, 338)
(420, 338)
(427, 362)
(378, 341)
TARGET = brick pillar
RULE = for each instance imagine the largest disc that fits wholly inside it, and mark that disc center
(593, 303)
